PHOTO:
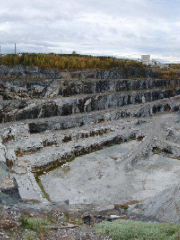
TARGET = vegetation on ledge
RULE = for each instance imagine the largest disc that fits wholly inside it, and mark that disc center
(67, 61)
(131, 230)
(77, 62)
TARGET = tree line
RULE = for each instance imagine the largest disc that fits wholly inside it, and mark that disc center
(67, 61)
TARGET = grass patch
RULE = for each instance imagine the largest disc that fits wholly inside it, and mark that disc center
(131, 230)
(30, 235)
(36, 224)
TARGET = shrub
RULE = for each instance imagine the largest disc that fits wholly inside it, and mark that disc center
(131, 230)
(30, 235)
(36, 224)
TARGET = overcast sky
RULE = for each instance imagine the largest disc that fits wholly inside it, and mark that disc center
(108, 27)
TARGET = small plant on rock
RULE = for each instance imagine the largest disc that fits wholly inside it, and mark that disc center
(36, 224)
(30, 235)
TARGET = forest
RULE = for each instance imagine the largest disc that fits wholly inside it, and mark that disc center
(67, 61)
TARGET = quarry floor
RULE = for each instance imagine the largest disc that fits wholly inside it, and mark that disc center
(100, 178)
(107, 177)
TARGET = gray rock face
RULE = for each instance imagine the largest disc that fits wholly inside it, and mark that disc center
(118, 74)
(78, 120)
(28, 89)
(9, 194)
(164, 206)
(2, 152)
(25, 72)
(20, 71)
(43, 108)
(93, 136)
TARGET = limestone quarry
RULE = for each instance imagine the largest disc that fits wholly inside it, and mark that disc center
(90, 140)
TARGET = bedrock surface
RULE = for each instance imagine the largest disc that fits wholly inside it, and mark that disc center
(100, 178)
(91, 139)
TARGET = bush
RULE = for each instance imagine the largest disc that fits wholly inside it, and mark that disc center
(30, 235)
(36, 224)
(131, 230)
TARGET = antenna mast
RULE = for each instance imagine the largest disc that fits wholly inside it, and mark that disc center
(15, 49)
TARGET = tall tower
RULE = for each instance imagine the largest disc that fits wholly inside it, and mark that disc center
(15, 48)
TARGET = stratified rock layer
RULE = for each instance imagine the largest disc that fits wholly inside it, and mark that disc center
(89, 138)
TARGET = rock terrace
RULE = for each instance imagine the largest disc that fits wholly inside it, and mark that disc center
(89, 139)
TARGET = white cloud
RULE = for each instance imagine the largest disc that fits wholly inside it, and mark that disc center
(118, 27)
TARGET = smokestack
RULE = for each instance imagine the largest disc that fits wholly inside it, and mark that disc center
(15, 48)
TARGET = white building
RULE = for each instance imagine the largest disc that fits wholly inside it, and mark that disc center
(146, 59)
